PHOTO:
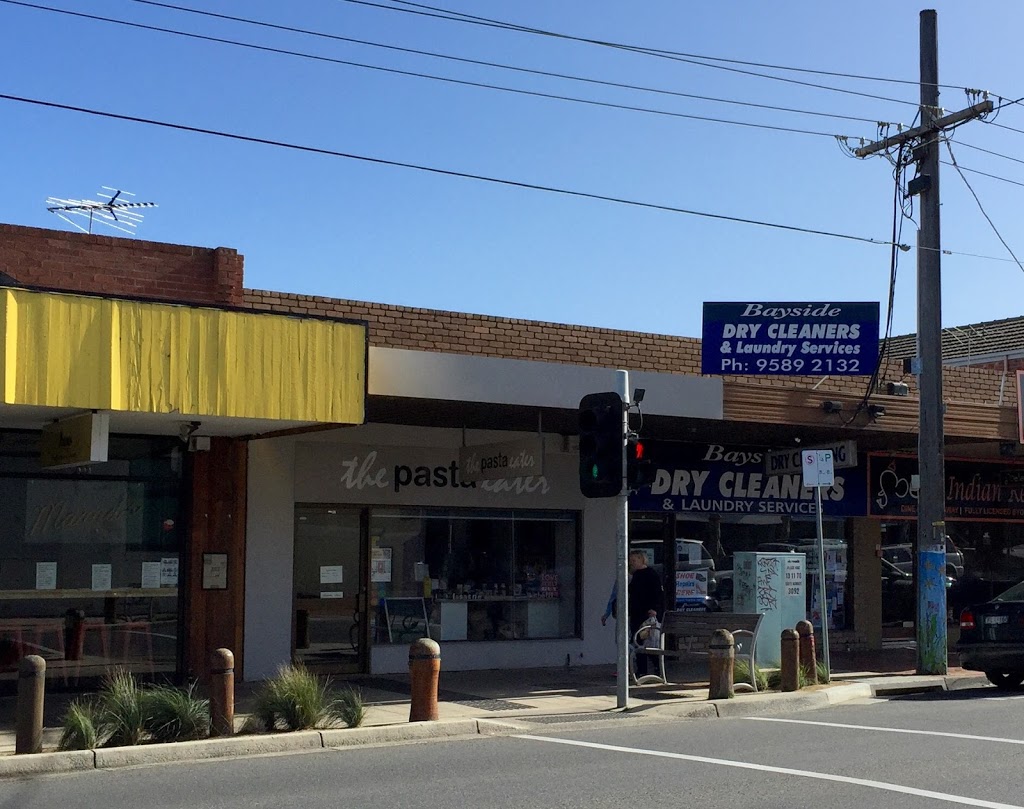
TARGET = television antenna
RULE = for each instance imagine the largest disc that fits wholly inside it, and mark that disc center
(111, 209)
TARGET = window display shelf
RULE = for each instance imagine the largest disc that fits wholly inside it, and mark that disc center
(24, 595)
(477, 600)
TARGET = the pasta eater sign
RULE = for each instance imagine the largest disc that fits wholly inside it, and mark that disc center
(510, 459)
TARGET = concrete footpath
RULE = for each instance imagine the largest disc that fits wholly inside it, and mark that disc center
(482, 703)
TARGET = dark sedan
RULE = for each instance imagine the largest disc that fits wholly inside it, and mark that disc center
(992, 638)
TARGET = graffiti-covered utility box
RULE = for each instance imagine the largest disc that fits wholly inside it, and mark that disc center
(772, 584)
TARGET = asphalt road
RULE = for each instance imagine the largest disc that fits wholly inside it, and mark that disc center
(961, 748)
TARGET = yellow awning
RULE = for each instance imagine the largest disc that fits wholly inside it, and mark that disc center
(67, 350)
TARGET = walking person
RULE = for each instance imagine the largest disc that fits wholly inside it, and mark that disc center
(646, 599)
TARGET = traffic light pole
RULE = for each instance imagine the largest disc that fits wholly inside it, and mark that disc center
(622, 557)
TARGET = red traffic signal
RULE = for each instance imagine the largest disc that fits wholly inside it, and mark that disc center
(639, 469)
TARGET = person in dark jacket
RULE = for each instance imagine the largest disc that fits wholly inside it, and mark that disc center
(646, 599)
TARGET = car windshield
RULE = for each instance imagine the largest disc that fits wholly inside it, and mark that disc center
(1015, 593)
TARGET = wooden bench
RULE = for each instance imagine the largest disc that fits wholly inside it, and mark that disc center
(689, 633)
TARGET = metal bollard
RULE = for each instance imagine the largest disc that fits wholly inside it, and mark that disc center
(790, 660)
(29, 720)
(721, 657)
(222, 693)
(424, 672)
(808, 658)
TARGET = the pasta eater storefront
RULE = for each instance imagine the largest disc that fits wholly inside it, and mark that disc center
(363, 539)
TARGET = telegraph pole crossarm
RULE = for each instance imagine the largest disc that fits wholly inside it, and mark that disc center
(967, 114)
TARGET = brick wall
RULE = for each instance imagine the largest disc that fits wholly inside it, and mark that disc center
(461, 333)
(80, 262)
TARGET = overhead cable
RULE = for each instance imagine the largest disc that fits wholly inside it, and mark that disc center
(477, 62)
(635, 49)
(439, 171)
(432, 77)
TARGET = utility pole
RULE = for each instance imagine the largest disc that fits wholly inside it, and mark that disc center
(931, 503)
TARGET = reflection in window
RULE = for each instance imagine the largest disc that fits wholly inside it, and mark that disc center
(476, 575)
(89, 559)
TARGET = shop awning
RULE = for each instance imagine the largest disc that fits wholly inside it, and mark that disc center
(73, 351)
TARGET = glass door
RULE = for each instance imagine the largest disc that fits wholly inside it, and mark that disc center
(329, 615)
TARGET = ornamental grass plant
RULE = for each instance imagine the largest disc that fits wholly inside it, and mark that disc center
(126, 713)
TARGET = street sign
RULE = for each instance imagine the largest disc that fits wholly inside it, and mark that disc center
(778, 339)
(818, 468)
(790, 461)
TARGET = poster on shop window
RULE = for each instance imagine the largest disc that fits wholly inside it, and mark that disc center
(730, 479)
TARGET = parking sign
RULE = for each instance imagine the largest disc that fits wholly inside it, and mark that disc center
(819, 468)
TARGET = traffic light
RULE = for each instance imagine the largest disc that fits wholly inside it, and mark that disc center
(601, 439)
(639, 468)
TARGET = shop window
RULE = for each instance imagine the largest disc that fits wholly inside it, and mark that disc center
(474, 576)
(89, 560)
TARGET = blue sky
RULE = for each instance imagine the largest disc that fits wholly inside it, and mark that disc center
(322, 225)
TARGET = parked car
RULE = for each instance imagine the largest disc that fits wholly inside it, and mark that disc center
(992, 638)
(902, 555)
(899, 601)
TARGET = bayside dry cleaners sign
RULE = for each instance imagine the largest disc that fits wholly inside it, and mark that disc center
(819, 339)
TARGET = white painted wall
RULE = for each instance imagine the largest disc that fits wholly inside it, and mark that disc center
(270, 537)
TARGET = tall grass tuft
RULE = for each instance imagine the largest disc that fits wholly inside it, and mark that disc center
(295, 699)
(349, 708)
(81, 727)
(121, 710)
(741, 674)
(175, 714)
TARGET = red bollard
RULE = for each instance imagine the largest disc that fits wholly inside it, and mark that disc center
(790, 660)
(424, 673)
(222, 693)
(808, 658)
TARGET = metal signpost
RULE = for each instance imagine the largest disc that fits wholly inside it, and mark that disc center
(819, 471)
(622, 557)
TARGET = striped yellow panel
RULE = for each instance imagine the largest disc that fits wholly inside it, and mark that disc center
(63, 350)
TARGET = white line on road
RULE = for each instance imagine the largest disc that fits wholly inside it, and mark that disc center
(998, 739)
(821, 776)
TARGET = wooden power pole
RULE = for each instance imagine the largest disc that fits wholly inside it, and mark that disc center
(931, 504)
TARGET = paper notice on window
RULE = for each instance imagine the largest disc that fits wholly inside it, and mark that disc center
(101, 577)
(46, 575)
(151, 575)
(332, 594)
(169, 571)
(380, 565)
(332, 574)
(215, 571)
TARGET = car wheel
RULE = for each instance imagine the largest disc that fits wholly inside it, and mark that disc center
(1005, 679)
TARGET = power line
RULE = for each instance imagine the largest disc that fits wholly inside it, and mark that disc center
(630, 48)
(981, 207)
(457, 16)
(465, 60)
(443, 172)
(432, 77)
(989, 152)
(982, 173)
(1004, 126)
